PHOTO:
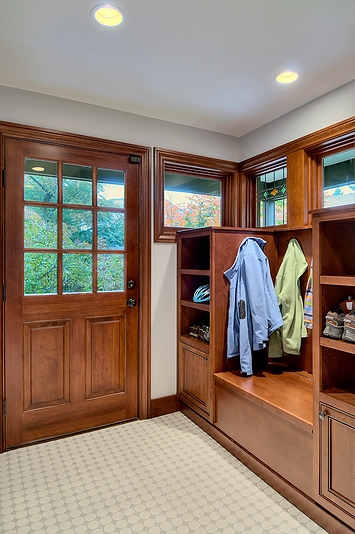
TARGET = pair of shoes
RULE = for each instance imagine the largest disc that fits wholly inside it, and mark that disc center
(334, 325)
(349, 327)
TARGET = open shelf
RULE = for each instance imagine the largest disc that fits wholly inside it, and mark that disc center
(195, 305)
(289, 395)
(196, 272)
(337, 280)
(337, 344)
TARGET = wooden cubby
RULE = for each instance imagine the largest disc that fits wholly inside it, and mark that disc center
(203, 257)
(334, 363)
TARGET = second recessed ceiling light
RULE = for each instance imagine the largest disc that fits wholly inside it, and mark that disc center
(108, 15)
(287, 77)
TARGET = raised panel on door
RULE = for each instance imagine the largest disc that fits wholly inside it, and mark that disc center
(105, 375)
(337, 456)
(46, 363)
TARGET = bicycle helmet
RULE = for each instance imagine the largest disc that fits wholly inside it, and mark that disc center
(202, 294)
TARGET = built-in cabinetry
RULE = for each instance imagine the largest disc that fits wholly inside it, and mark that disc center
(334, 363)
(203, 256)
(298, 419)
(271, 413)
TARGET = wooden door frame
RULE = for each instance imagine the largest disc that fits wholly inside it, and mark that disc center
(53, 137)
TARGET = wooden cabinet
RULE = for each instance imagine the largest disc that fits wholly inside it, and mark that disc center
(203, 257)
(337, 459)
(334, 363)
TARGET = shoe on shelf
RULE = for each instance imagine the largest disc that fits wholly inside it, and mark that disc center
(334, 325)
(349, 327)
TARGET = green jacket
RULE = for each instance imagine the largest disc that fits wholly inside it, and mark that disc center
(287, 339)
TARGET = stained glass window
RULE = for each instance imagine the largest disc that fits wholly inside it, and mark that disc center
(272, 198)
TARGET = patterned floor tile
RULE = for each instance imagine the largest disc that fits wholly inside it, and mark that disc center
(153, 476)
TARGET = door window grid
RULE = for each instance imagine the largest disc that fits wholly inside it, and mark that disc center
(61, 251)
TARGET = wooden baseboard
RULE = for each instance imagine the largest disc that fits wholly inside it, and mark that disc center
(320, 516)
(164, 405)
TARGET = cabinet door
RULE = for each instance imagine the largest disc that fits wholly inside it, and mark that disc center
(337, 458)
(194, 378)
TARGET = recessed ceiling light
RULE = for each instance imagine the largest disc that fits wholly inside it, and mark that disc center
(287, 77)
(108, 15)
(38, 169)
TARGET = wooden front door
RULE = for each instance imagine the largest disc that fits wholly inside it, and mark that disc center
(71, 273)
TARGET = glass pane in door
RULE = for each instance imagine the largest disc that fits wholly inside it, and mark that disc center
(41, 181)
(77, 229)
(110, 188)
(77, 184)
(40, 273)
(110, 272)
(40, 227)
(110, 230)
(77, 273)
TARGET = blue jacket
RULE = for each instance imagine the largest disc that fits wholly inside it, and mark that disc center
(253, 309)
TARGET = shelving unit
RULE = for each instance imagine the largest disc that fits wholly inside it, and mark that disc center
(203, 256)
(280, 406)
(334, 360)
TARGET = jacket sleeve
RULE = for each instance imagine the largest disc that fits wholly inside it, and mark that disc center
(256, 299)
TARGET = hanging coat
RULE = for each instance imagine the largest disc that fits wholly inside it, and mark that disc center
(253, 309)
(288, 338)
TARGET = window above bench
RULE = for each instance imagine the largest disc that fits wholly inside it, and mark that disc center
(192, 192)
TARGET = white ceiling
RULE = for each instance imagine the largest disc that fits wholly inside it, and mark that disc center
(203, 63)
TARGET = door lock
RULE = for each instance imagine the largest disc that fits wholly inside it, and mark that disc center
(131, 284)
(131, 303)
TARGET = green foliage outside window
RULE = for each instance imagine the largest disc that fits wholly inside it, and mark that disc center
(41, 232)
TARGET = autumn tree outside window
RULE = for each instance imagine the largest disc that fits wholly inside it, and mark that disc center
(191, 192)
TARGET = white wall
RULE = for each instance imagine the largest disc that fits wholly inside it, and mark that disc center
(326, 110)
(44, 111)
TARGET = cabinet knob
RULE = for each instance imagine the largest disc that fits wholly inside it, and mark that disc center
(322, 415)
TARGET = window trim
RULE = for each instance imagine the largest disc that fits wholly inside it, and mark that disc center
(334, 146)
(194, 165)
(251, 176)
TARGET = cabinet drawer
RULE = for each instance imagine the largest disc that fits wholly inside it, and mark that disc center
(337, 459)
(194, 378)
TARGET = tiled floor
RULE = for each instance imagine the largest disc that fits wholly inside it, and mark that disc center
(154, 476)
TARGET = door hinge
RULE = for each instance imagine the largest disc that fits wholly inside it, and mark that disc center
(4, 407)
(134, 159)
(4, 293)
(4, 177)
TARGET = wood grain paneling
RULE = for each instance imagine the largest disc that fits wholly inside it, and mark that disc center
(194, 373)
(105, 375)
(282, 446)
(337, 463)
(46, 363)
